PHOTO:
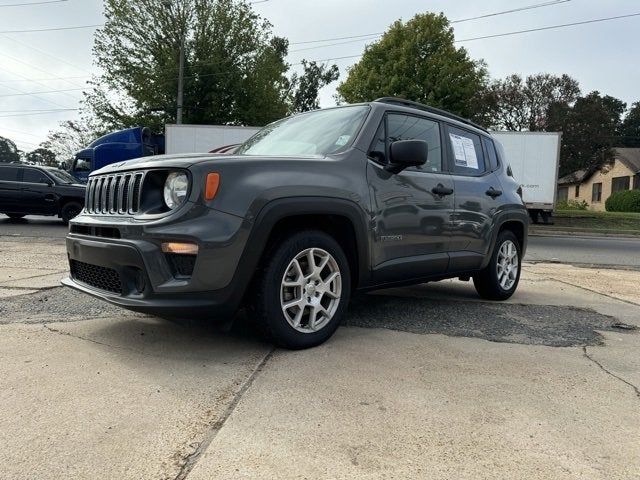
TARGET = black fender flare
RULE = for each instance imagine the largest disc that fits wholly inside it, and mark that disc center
(276, 210)
(501, 218)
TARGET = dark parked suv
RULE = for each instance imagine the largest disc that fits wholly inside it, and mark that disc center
(307, 211)
(31, 190)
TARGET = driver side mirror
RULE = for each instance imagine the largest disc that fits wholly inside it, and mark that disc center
(406, 153)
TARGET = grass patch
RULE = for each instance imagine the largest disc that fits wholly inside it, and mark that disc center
(601, 222)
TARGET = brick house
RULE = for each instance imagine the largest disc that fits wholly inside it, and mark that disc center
(595, 186)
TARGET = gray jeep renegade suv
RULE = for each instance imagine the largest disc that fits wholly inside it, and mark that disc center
(307, 211)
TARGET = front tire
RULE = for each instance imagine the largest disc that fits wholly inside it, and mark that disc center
(303, 290)
(500, 278)
(15, 216)
(69, 211)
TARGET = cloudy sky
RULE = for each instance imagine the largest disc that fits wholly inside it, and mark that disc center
(602, 56)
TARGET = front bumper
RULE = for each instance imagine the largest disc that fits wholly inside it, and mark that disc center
(130, 270)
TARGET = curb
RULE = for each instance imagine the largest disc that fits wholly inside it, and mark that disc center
(580, 233)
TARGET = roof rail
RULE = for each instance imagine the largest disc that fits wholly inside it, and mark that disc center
(427, 108)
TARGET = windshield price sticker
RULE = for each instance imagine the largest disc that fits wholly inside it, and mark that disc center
(464, 151)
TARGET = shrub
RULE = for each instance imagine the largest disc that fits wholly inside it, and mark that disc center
(572, 205)
(625, 201)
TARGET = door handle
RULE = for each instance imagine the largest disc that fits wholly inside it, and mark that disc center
(493, 193)
(441, 190)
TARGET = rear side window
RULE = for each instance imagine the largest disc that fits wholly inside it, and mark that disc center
(467, 156)
(34, 176)
(8, 174)
(408, 127)
(492, 155)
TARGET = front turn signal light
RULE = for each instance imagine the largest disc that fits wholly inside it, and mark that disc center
(211, 187)
(180, 248)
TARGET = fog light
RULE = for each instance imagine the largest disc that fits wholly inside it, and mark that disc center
(180, 248)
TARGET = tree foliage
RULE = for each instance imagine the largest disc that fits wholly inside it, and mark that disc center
(589, 131)
(70, 137)
(524, 104)
(419, 61)
(234, 67)
(630, 127)
(8, 151)
(42, 156)
(306, 87)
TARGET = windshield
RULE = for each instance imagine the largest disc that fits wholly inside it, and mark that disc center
(317, 133)
(62, 176)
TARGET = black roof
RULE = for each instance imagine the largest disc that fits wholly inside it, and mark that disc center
(427, 108)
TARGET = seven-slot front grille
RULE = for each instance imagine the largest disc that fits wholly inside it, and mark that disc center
(116, 194)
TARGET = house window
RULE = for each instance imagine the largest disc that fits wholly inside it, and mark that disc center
(563, 194)
(596, 192)
(619, 183)
(577, 191)
(636, 182)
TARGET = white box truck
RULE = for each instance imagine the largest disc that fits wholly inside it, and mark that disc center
(204, 138)
(534, 158)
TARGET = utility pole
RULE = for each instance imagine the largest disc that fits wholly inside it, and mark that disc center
(180, 80)
(168, 5)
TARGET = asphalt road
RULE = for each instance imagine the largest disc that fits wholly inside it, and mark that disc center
(574, 249)
(585, 250)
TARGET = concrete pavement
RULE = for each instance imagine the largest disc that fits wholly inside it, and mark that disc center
(427, 386)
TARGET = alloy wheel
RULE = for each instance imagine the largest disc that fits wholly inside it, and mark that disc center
(310, 290)
(507, 265)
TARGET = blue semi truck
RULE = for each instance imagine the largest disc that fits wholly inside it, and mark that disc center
(116, 147)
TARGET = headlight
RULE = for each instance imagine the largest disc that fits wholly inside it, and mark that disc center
(175, 189)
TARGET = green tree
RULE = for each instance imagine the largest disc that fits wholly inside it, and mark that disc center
(234, 67)
(589, 131)
(8, 151)
(418, 60)
(524, 104)
(307, 86)
(42, 156)
(70, 137)
(630, 128)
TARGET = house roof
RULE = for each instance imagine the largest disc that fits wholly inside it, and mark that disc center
(629, 157)
(575, 177)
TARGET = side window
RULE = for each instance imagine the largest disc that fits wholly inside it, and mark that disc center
(491, 153)
(34, 176)
(407, 127)
(466, 152)
(82, 165)
(8, 174)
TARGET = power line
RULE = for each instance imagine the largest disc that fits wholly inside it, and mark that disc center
(47, 54)
(551, 27)
(22, 91)
(497, 35)
(38, 93)
(32, 3)
(37, 110)
(504, 12)
(48, 112)
(53, 29)
(43, 79)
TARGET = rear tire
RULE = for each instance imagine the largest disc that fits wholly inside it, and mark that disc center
(302, 291)
(500, 278)
(69, 211)
(15, 216)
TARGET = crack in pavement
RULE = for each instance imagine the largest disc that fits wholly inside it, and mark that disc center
(602, 367)
(192, 459)
(553, 279)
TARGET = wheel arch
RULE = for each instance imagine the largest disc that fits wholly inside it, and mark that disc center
(516, 222)
(342, 219)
